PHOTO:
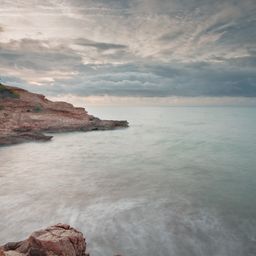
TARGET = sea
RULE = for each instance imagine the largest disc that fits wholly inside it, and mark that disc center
(180, 181)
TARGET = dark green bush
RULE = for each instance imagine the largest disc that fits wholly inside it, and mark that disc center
(7, 93)
(38, 108)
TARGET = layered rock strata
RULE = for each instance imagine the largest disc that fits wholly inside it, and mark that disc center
(26, 116)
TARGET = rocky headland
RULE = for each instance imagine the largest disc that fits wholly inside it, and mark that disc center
(26, 116)
(57, 240)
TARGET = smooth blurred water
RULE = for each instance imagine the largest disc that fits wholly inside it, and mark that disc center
(180, 181)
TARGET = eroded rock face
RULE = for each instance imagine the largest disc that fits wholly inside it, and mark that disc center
(57, 240)
(27, 116)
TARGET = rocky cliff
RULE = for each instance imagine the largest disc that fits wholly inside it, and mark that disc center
(57, 240)
(25, 116)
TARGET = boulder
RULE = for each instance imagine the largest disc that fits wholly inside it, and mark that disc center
(57, 240)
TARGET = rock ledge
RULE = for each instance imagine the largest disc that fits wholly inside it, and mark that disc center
(25, 116)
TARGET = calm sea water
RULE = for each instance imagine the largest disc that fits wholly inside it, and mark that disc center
(180, 181)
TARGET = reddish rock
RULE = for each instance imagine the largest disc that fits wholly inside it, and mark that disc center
(27, 115)
(57, 240)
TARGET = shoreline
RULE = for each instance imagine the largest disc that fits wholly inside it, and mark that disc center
(26, 116)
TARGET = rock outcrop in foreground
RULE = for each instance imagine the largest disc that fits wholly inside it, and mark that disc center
(25, 116)
(58, 240)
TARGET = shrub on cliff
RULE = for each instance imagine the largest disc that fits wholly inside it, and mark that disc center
(7, 93)
(38, 108)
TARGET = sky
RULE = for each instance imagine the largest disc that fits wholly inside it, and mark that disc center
(148, 50)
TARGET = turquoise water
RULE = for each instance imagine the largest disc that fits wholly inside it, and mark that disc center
(180, 181)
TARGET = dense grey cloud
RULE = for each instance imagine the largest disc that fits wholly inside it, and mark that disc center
(130, 48)
(37, 55)
(99, 45)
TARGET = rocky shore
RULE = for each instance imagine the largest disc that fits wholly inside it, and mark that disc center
(59, 240)
(26, 116)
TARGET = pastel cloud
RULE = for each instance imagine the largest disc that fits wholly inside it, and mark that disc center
(137, 48)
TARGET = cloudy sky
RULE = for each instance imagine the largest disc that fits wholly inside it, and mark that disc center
(130, 48)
